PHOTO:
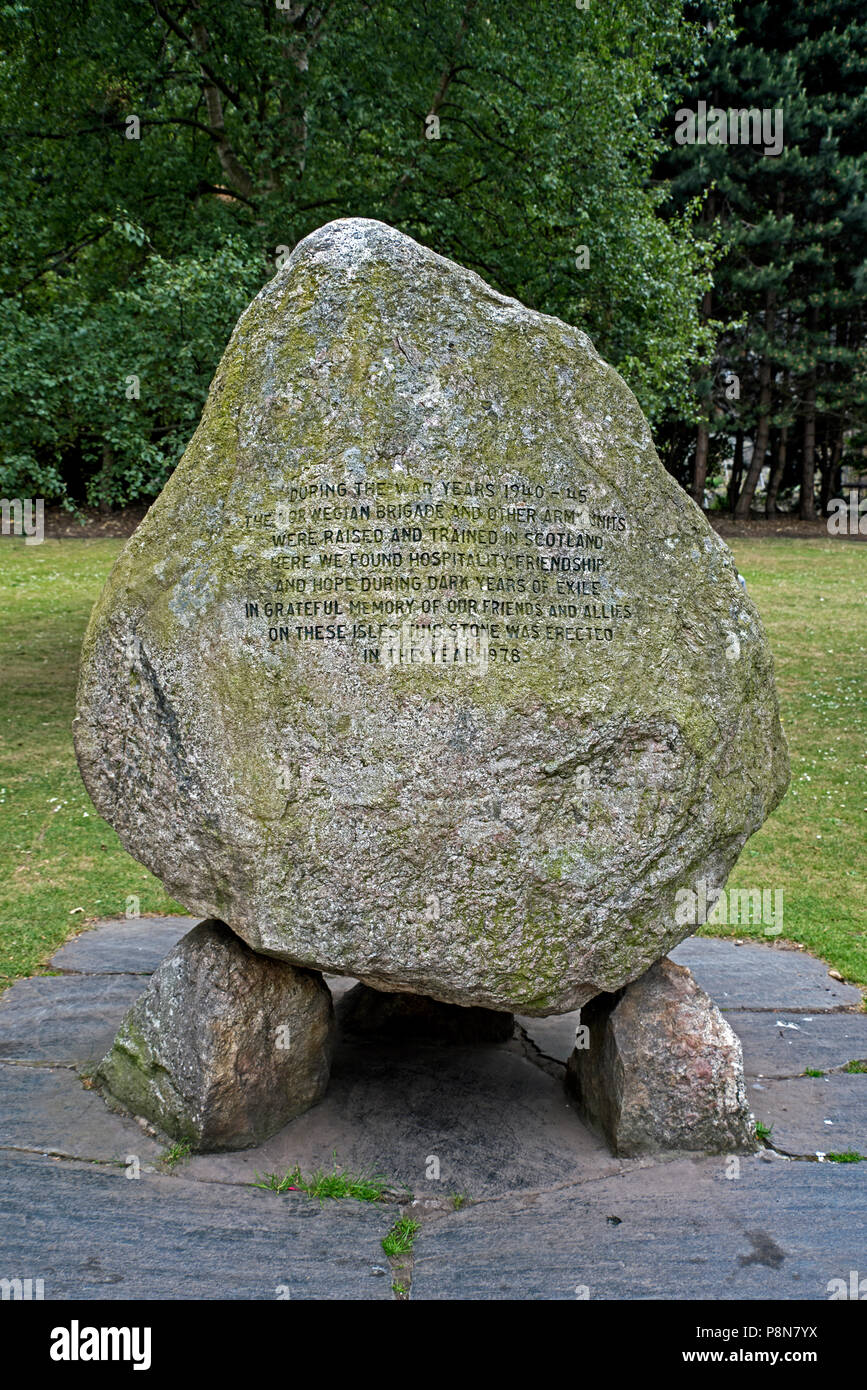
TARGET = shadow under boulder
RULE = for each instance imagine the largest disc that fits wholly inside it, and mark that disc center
(374, 1013)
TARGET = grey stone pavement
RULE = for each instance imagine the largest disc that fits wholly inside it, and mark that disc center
(88, 1205)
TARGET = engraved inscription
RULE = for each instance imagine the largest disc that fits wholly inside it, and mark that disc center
(438, 573)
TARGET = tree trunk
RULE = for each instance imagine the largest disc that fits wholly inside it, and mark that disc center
(807, 510)
(303, 26)
(760, 445)
(777, 472)
(699, 471)
(446, 78)
(757, 463)
(702, 438)
(837, 479)
(737, 469)
(830, 473)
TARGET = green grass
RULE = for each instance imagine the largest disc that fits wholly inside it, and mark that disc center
(810, 1072)
(62, 867)
(810, 595)
(177, 1153)
(847, 1156)
(855, 1068)
(400, 1238)
(333, 1185)
(764, 1131)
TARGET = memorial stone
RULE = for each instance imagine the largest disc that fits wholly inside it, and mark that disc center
(422, 669)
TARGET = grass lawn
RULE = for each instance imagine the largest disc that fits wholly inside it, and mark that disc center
(811, 597)
(61, 866)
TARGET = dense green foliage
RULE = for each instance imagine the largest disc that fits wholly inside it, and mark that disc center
(161, 157)
(127, 260)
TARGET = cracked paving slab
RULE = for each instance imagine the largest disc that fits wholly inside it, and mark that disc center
(91, 1233)
(809, 1115)
(682, 1230)
(785, 1044)
(48, 1110)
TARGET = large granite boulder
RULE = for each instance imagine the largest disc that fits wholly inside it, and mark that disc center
(421, 668)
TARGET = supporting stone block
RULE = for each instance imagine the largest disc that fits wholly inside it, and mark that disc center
(225, 1046)
(663, 1070)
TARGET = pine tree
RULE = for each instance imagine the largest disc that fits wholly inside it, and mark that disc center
(789, 290)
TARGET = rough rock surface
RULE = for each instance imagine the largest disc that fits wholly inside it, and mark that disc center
(225, 1046)
(663, 1070)
(513, 697)
(414, 1017)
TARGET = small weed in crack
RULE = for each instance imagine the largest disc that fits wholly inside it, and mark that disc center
(363, 1187)
(400, 1238)
(176, 1153)
(398, 1246)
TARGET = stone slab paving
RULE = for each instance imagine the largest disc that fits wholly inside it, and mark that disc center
(671, 1231)
(48, 1110)
(763, 977)
(785, 1044)
(814, 1115)
(67, 1019)
(92, 1233)
(495, 1118)
(776, 1044)
(123, 946)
